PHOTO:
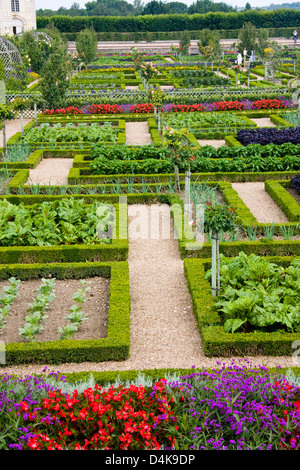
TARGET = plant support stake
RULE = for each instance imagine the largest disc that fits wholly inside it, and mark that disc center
(215, 265)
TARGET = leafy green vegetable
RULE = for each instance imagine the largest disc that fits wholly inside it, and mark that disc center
(64, 222)
(258, 295)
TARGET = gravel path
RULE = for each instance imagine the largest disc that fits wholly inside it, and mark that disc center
(214, 143)
(263, 122)
(52, 171)
(12, 127)
(260, 203)
(137, 133)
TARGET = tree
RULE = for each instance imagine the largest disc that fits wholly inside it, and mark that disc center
(37, 49)
(86, 45)
(206, 6)
(56, 75)
(263, 42)
(155, 8)
(209, 43)
(247, 37)
(248, 6)
(184, 41)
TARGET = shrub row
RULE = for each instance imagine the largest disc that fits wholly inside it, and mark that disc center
(176, 22)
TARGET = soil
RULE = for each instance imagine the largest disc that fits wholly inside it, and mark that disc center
(96, 309)
(294, 193)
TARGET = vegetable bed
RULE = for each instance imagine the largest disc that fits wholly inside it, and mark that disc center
(115, 343)
(268, 340)
(265, 136)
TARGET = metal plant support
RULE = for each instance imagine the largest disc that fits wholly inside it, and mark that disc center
(11, 58)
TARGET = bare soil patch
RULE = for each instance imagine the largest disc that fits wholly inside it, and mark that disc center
(96, 309)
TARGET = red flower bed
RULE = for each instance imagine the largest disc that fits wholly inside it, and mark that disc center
(116, 418)
(229, 105)
(69, 110)
(142, 108)
(268, 104)
(104, 109)
(185, 108)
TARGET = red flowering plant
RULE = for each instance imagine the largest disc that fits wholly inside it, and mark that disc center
(269, 104)
(117, 418)
(186, 108)
(68, 110)
(104, 109)
(143, 108)
(289, 424)
(228, 105)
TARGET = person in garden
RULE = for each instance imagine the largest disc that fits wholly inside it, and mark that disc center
(239, 59)
(295, 36)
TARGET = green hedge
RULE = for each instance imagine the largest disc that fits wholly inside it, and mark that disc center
(176, 22)
(116, 345)
(283, 199)
(217, 343)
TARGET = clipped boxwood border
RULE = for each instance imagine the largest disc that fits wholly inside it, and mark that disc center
(216, 342)
(116, 345)
(283, 199)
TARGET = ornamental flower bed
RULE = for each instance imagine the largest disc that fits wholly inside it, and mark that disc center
(239, 407)
(201, 107)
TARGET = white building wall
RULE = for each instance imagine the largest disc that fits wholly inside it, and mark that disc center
(22, 20)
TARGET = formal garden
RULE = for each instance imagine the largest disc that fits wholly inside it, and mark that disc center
(149, 248)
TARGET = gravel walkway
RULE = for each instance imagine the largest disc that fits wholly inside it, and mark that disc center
(214, 143)
(260, 203)
(52, 171)
(263, 122)
(12, 127)
(137, 133)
